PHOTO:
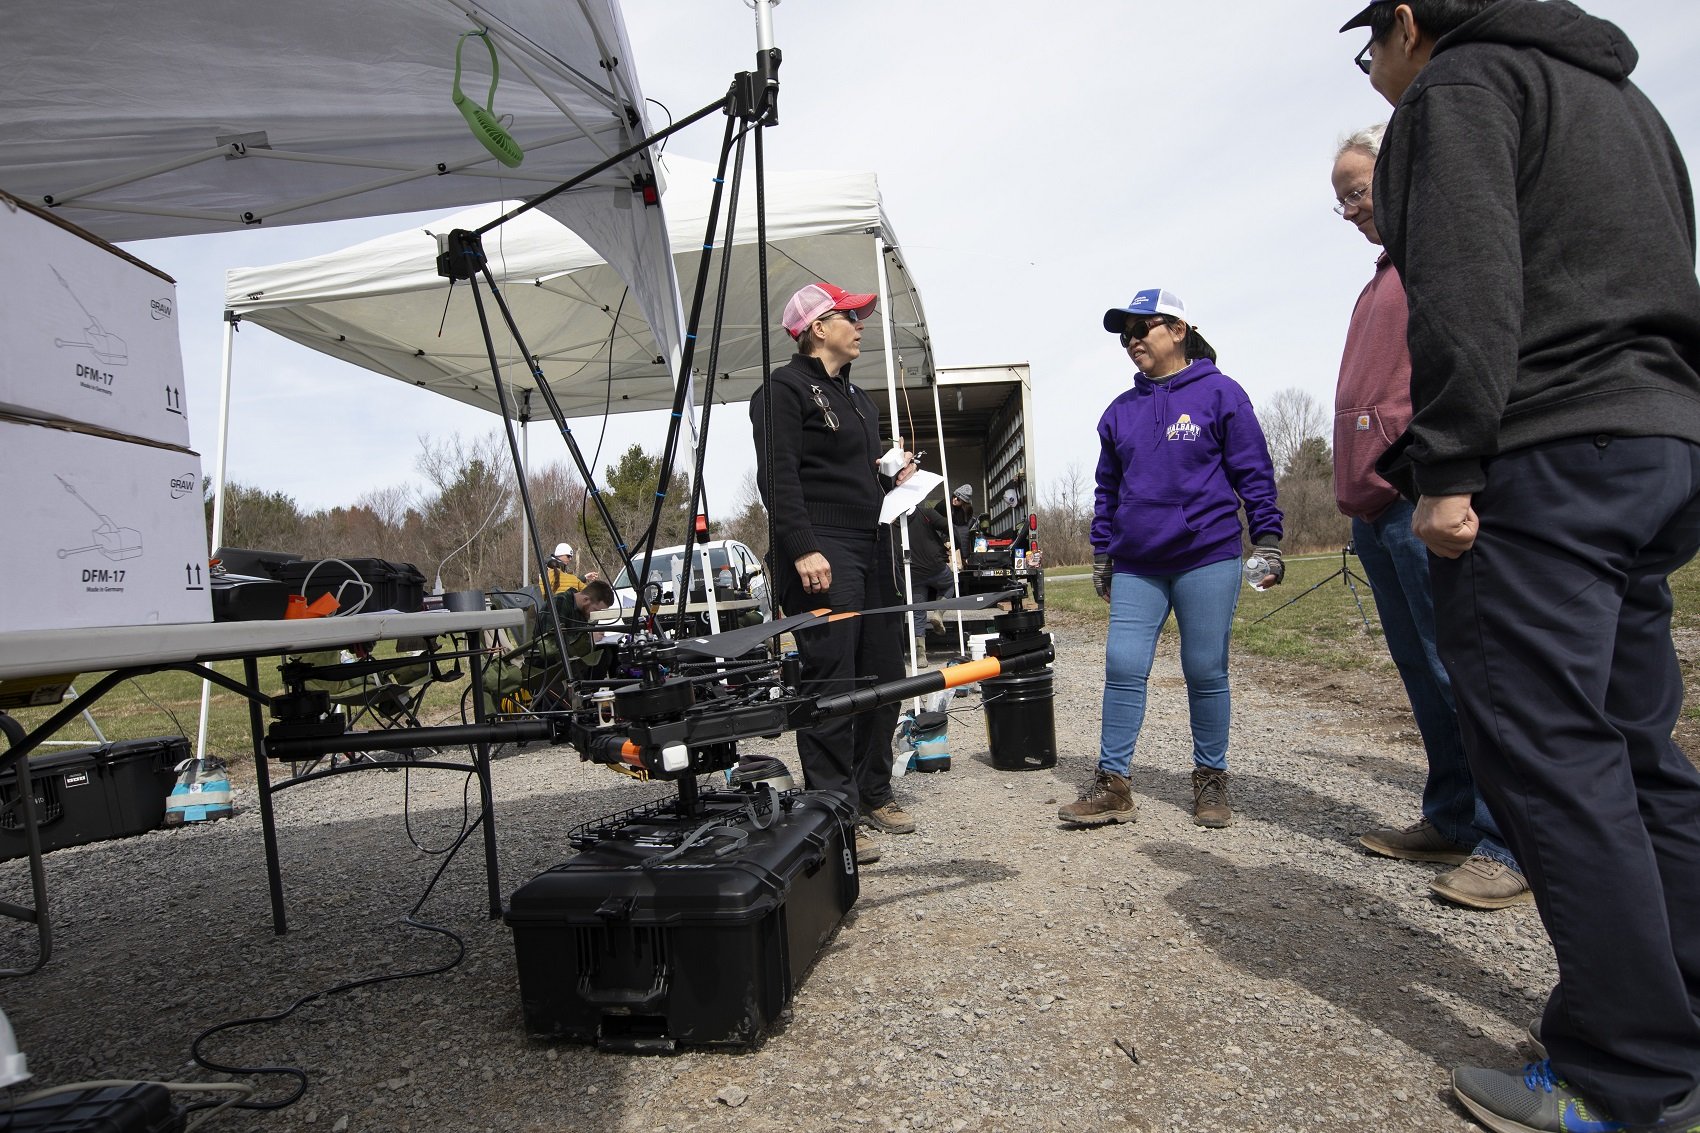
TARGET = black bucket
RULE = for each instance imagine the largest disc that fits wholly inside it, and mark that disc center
(1020, 721)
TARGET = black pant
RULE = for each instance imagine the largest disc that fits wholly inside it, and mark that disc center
(849, 754)
(1555, 629)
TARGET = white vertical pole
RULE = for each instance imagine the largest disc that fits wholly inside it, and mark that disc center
(524, 520)
(949, 522)
(891, 396)
(223, 447)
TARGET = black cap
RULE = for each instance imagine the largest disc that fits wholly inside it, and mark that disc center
(1361, 20)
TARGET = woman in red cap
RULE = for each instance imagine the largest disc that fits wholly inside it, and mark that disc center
(817, 446)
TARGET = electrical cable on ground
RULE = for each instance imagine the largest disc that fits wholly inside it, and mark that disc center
(298, 1075)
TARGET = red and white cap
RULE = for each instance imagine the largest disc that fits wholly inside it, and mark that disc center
(816, 300)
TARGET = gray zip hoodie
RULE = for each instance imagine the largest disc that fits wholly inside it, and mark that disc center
(1542, 220)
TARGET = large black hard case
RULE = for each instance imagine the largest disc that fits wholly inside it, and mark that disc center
(144, 1107)
(395, 586)
(635, 950)
(91, 794)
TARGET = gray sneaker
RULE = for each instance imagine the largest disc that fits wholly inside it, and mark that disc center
(1482, 883)
(1534, 1101)
(1418, 842)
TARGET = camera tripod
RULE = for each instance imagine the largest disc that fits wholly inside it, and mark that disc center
(1346, 574)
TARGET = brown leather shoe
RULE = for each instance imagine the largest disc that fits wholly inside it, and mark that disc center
(1418, 842)
(1482, 883)
(1110, 800)
(1210, 805)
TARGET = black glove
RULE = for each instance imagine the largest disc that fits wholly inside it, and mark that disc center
(1101, 576)
(1272, 564)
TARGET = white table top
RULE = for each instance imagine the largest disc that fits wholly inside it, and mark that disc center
(52, 652)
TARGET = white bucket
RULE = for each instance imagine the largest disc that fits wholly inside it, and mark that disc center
(977, 646)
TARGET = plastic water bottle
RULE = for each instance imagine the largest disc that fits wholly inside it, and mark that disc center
(1256, 570)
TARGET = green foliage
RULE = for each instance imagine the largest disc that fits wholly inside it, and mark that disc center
(256, 518)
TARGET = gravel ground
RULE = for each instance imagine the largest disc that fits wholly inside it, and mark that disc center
(999, 972)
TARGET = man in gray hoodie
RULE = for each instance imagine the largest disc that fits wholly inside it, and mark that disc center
(1542, 220)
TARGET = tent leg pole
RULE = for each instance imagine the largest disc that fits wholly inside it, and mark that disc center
(944, 470)
(231, 318)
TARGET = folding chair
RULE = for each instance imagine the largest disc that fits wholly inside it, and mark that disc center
(374, 697)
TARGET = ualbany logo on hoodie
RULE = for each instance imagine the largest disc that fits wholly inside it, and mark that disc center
(1183, 429)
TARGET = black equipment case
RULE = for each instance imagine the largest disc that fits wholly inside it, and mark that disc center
(144, 1107)
(91, 794)
(395, 586)
(672, 929)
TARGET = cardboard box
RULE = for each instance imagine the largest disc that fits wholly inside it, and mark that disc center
(90, 331)
(98, 532)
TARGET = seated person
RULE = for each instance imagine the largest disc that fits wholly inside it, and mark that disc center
(523, 674)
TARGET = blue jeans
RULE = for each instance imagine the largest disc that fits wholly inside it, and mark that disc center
(1203, 600)
(1396, 564)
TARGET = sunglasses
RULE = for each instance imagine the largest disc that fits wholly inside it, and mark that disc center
(850, 317)
(825, 407)
(1363, 59)
(1139, 328)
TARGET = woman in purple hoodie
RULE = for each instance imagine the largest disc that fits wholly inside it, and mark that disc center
(1180, 453)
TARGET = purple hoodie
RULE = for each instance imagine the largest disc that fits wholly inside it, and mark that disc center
(1177, 458)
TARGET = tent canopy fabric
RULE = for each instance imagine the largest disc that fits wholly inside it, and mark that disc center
(380, 304)
(137, 121)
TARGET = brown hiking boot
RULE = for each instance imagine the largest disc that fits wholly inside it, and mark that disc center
(1109, 800)
(867, 848)
(1482, 883)
(1418, 842)
(1210, 806)
(889, 819)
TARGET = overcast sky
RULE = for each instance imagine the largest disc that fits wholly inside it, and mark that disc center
(1039, 161)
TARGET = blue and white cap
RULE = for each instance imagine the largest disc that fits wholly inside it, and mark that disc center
(1151, 301)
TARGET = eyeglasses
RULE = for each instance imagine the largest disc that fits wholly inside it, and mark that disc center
(850, 317)
(825, 406)
(1139, 328)
(1351, 200)
(1364, 59)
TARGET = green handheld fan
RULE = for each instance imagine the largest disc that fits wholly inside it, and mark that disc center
(482, 119)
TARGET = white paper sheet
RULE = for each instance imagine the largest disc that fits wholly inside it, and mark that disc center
(902, 499)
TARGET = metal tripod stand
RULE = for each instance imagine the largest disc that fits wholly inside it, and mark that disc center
(1346, 574)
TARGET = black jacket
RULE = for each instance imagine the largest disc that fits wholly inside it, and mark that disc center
(1542, 220)
(817, 475)
(929, 534)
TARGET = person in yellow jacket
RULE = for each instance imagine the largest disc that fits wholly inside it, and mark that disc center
(560, 577)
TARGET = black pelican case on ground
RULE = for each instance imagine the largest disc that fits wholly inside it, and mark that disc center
(144, 1107)
(672, 930)
(91, 794)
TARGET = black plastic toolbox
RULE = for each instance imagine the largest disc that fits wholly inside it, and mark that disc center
(91, 794)
(673, 929)
(395, 586)
(144, 1107)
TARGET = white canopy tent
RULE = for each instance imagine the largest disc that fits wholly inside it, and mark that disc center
(146, 120)
(380, 304)
(194, 116)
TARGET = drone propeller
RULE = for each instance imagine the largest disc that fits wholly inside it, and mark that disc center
(735, 642)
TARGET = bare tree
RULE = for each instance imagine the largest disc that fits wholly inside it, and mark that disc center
(1290, 418)
(1065, 519)
(748, 524)
(470, 513)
